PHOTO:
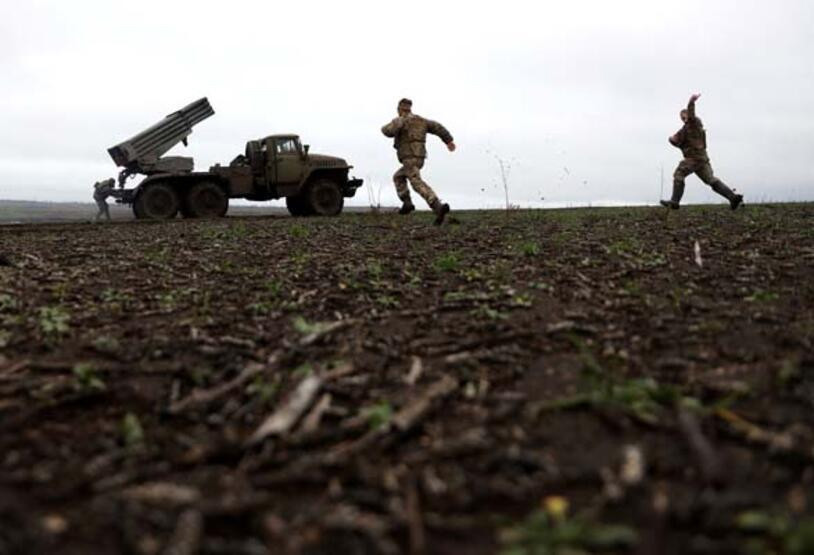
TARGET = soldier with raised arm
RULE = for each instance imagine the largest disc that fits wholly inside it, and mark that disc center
(102, 190)
(692, 140)
(409, 133)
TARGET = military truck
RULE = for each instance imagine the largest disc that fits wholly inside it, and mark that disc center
(277, 166)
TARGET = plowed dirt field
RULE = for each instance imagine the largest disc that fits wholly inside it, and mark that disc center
(595, 380)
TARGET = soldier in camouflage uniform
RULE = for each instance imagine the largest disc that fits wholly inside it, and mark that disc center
(102, 190)
(692, 140)
(409, 133)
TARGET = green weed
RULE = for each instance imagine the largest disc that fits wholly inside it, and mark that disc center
(131, 431)
(387, 301)
(375, 269)
(261, 308)
(542, 286)
(303, 370)
(167, 301)
(628, 245)
(776, 533)
(543, 533)
(106, 344)
(8, 303)
(529, 249)
(642, 398)
(447, 263)
(307, 328)
(298, 231)
(378, 415)
(760, 296)
(274, 288)
(53, 321)
(87, 379)
(111, 295)
(521, 301)
(300, 260)
(489, 313)
(262, 389)
(472, 274)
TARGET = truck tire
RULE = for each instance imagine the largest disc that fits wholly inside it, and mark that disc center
(297, 205)
(157, 201)
(324, 197)
(206, 200)
(137, 211)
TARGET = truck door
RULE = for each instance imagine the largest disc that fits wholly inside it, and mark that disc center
(288, 161)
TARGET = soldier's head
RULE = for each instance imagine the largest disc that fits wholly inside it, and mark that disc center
(405, 106)
(685, 115)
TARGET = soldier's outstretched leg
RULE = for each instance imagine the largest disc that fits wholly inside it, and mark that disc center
(707, 176)
(682, 171)
(400, 180)
(101, 210)
(413, 170)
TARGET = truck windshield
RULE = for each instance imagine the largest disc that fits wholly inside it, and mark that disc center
(287, 146)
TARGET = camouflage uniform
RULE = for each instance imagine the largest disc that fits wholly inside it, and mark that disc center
(692, 140)
(102, 190)
(409, 135)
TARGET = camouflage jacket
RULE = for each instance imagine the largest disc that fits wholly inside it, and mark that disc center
(692, 138)
(410, 135)
(103, 189)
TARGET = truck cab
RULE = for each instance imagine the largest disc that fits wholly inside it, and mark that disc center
(281, 167)
(278, 164)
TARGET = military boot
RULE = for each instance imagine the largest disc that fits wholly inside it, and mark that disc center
(441, 210)
(734, 200)
(406, 208)
(678, 192)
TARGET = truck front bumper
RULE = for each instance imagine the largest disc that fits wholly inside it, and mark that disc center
(124, 196)
(350, 187)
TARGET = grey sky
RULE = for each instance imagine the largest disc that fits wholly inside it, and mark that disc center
(579, 95)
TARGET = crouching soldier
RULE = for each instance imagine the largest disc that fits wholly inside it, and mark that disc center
(692, 140)
(102, 190)
(409, 133)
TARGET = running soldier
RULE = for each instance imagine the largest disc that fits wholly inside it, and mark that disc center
(409, 133)
(692, 140)
(102, 190)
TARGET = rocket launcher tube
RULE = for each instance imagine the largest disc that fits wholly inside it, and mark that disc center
(141, 151)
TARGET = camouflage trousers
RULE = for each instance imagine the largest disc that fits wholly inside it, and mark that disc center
(703, 170)
(411, 170)
(103, 210)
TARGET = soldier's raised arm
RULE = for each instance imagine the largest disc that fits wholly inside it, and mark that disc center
(691, 106)
(392, 128)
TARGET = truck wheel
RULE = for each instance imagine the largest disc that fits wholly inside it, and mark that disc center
(157, 201)
(137, 211)
(206, 200)
(324, 197)
(296, 205)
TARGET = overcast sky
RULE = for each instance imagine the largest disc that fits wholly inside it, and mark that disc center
(578, 96)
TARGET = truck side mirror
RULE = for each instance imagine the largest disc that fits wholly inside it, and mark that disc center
(305, 149)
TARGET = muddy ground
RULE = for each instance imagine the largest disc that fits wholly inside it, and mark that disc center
(523, 382)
